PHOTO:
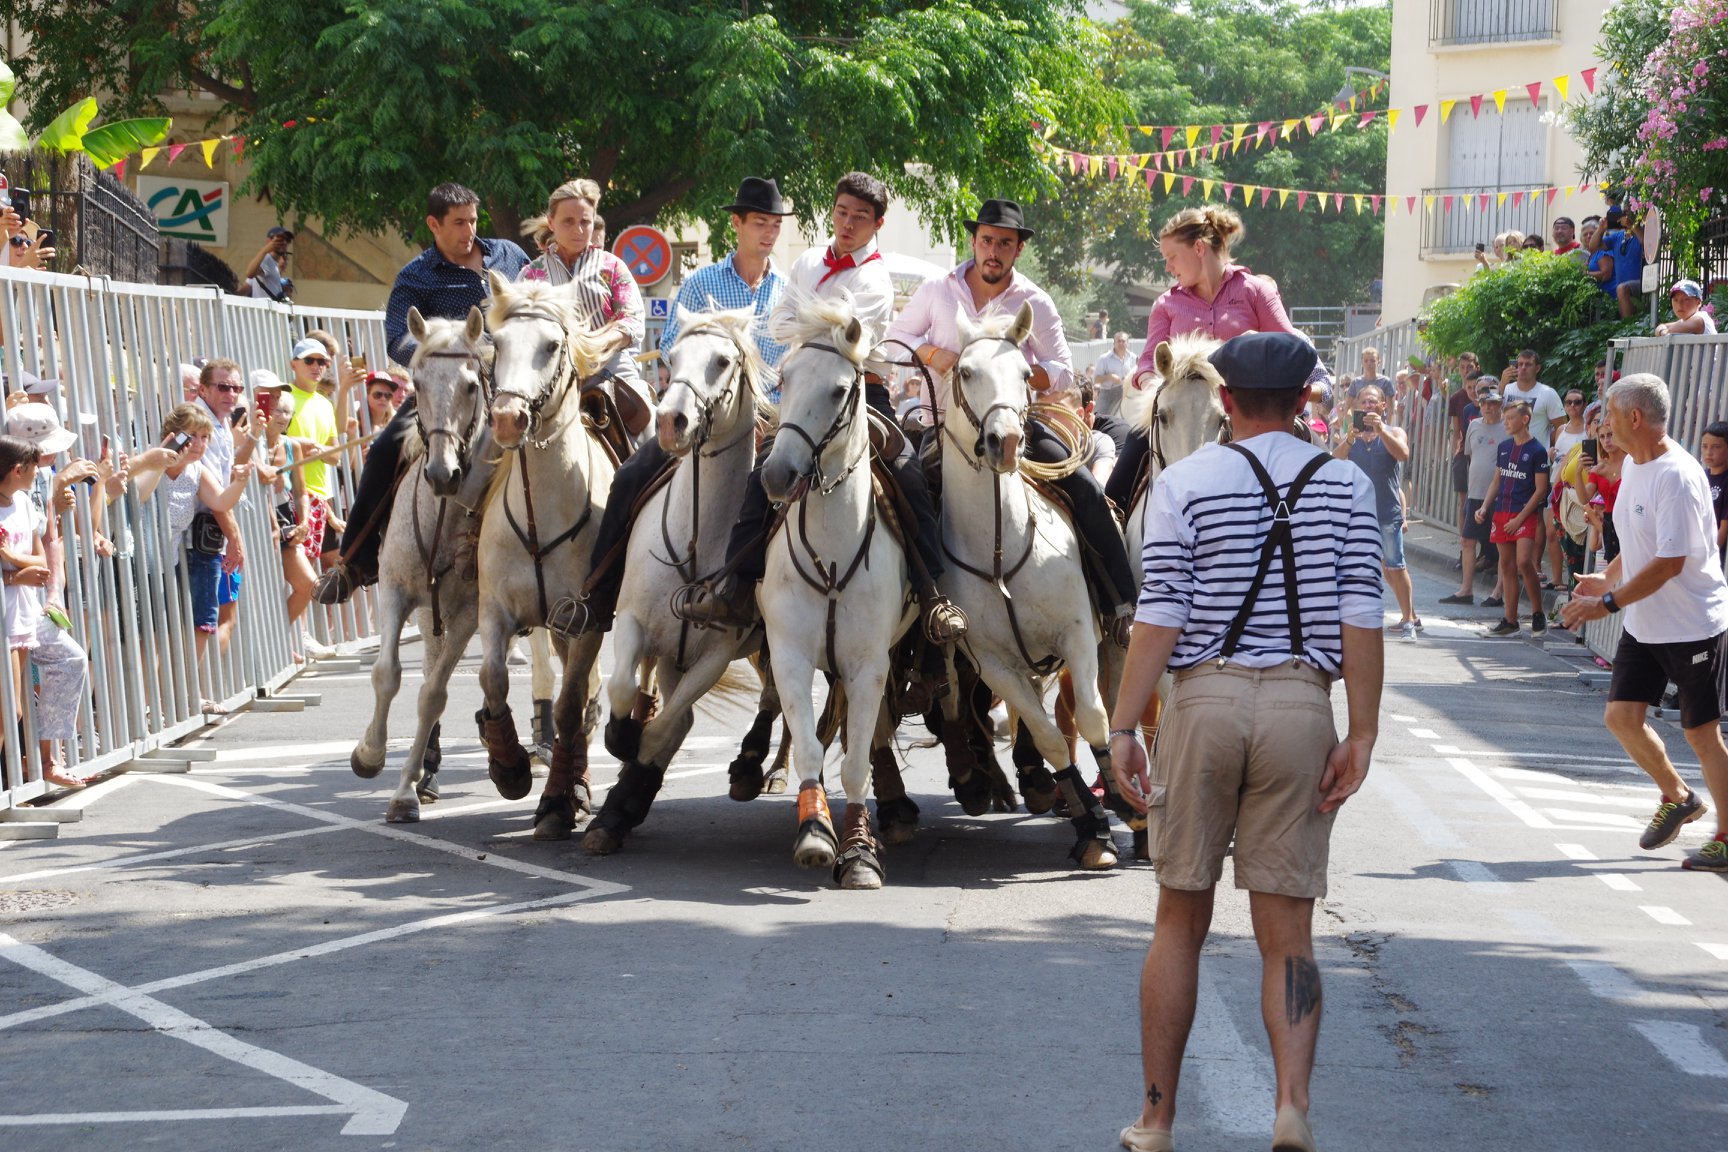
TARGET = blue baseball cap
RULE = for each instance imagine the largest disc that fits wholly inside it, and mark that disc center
(1265, 361)
(1689, 288)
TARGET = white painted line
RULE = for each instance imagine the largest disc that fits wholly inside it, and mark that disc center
(1233, 1076)
(1476, 874)
(1506, 754)
(1617, 881)
(1433, 830)
(1606, 981)
(1664, 915)
(1720, 951)
(1424, 733)
(1588, 781)
(71, 1118)
(1685, 1047)
(1491, 786)
(95, 792)
(324, 948)
(1577, 852)
(170, 854)
(371, 1113)
(1595, 819)
(1575, 796)
(1401, 718)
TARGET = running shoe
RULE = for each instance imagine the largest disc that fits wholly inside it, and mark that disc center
(1713, 857)
(1671, 816)
(1407, 631)
(1504, 628)
(1538, 623)
(1493, 602)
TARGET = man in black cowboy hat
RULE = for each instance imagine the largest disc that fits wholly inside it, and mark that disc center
(746, 278)
(988, 281)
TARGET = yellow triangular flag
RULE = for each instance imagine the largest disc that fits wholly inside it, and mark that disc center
(1392, 119)
(1358, 198)
(1169, 180)
(1289, 127)
(1352, 103)
(1502, 201)
(1500, 99)
(1248, 191)
(1339, 119)
(1283, 195)
(1235, 146)
(1428, 203)
(1446, 107)
(1570, 188)
(209, 147)
(1206, 189)
(1193, 134)
(1094, 164)
(148, 155)
(1238, 131)
(1560, 83)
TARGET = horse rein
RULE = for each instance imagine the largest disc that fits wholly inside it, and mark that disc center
(848, 413)
(464, 440)
(562, 375)
(975, 457)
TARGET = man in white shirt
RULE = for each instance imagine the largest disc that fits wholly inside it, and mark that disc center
(1668, 579)
(1109, 374)
(988, 282)
(1546, 410)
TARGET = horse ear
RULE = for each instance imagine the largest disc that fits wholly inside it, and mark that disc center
(476, 324)
(854, 333)
(1022, 324)
(1163, 360)
(968, 330)
(416, 325)
(500, 286)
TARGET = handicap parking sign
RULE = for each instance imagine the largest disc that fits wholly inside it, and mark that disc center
(659, 308)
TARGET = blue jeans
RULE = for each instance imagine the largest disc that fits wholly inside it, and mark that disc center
(1392, 544)
(204, 574)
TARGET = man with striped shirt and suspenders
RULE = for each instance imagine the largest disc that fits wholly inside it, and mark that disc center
(1262, 586)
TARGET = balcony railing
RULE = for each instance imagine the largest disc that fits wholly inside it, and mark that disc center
(1459, 22)
(1458, 231)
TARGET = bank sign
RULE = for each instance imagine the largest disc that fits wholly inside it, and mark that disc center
(188, 209)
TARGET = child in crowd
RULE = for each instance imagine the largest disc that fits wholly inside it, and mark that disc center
(1517, 496)
(1714, 451)
(37, 632)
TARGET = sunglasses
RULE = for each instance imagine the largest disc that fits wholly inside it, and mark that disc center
(383, 395)
(318, 360)
(230, 389)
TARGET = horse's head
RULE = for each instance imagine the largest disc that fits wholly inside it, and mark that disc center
(821, 396)
(714, 387)
(541, 350)
(1183, 409)
(449, 400)
(990, 385)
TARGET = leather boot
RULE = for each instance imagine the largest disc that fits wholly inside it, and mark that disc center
(730, 604)
(339, 583)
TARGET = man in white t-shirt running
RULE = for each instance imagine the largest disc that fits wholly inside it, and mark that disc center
(1668, 579)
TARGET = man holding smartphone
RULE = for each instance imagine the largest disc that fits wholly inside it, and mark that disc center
(1380, 450)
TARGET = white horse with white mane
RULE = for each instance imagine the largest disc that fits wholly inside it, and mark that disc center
(538, 532)
(1015, 566)
(834, 594)
(707, 417)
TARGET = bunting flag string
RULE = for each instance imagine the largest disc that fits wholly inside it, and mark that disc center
(207, 148)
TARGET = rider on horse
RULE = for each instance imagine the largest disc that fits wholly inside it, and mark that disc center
(988, 280)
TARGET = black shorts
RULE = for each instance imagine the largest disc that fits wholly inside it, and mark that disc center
(1642, 672)
(1460, 473)
(1473, 530)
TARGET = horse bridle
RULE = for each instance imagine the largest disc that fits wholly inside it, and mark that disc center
(464, 440)
(705, 407)
(849, 411)
(559, 382)
(1155, 434)
(975, 458)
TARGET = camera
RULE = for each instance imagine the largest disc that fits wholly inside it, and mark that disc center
(1359, 420)
(179, 442)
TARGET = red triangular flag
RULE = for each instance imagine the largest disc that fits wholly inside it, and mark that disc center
(1448, 201)
(1589, 75)
(1376, 201)
(1314, 123)
(1338, 201)
(1535, 90)
(1110, 167)
(1301, 200)
(239, 146)
(1476, 105)
(1264, 128)
(1552, 192)
(119, 169)
(1517, 198)
(291, 123)
(1217, 133)
(174, 151)
(1482, 201)
(1168, 133)
(1151, 176)
(1187, 185)
(1265, 195)
(1367, 118)
(1421, 111)
(1410, 205)
(1229, 191)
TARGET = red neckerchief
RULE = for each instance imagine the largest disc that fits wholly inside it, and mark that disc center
(839, 264)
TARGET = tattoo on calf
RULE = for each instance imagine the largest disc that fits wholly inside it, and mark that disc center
(1301, 989)
(1153, 1095)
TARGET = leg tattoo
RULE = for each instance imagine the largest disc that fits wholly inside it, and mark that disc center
(1301, 988)
(1153, 1095)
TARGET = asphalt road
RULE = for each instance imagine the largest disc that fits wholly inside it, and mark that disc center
(248, 957)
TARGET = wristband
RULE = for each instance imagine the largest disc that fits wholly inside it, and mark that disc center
(1115, 732)
(1610, 603)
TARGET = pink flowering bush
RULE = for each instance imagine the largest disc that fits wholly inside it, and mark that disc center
(1680, 161)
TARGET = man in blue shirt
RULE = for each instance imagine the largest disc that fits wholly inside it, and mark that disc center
(1619, 263)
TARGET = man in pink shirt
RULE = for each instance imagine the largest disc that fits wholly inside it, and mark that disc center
(988, 283)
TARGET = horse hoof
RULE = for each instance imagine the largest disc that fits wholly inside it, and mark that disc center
(402, 812)
(555, 818)
(974, 794)
(623, 738)
(514, 779)
(362, 769)
(745, 787)
(1038, 790)
(775, 784)
(859, 872)
(815, 846)
(1095, 855)
(898, 820)
(601, 842)
(1142, 845)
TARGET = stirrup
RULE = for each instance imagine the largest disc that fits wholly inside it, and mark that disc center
(705, 605)
(571, 617)
(944, 621)
(338, 584)
(1120, 629)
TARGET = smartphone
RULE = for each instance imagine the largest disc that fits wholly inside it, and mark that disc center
(45, 238)
(1359, 420)
(21, 203)
(179, 442)
(1590, 449)
(1481, 247)
(359, 361)
(265, 400)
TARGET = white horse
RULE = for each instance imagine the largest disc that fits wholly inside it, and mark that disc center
(427, 564)
(707, 418)
(1015, 567)
(535, 540)
(834, 594)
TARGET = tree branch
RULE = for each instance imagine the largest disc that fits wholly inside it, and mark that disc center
(243, 97)
(645, 206)
(605, 161)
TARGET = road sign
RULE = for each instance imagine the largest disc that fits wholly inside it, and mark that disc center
(188, 209)
(659, 308)
(646, 252)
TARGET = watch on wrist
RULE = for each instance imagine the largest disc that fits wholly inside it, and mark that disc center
(1610, 603)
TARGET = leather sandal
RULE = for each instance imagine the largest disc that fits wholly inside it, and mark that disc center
(1138, 1139)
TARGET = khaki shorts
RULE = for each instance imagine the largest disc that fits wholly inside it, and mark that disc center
(1241, 751)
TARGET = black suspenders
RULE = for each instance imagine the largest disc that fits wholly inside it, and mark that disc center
(1279, 539)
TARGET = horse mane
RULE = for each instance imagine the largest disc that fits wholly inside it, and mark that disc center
(588, 349)
(814, 318)
(739, 326)
(993, 322)
(1190, 363)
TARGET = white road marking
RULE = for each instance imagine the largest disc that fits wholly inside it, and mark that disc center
(1720, 951)
(1233, 1076)
(1435, 832)
(1476, 874)
(1617, 881)
(1499, 792)
(371, 1113)
(1508, 754)
(54, 1118)
(1602, 820)
(1424, 733)
(170, 854)
(1606, 981)
(1576, 796)
(1401, 718)
(1684, 1046)
(1577, 852)
(1664, 915)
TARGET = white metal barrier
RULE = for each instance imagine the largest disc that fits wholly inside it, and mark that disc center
(116, 347)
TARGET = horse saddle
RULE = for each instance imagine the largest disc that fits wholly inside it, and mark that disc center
(613, 415)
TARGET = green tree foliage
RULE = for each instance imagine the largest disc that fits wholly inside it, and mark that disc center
(667, 103)
(1541, 301)
(1232, 61)
(1606, 124)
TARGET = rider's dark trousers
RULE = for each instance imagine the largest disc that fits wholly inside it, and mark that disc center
(375, 492)
(1120, 489)
(1106, 556)
(632, 478)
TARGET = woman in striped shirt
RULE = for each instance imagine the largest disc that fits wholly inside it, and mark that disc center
(604, 289)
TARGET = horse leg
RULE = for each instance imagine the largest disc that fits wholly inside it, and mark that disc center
(367, 759)
(442, 655)
(816, 843)
(1036, 784)
(966, 744)
(859, 864)
(745, 771)
(623, 735)
(1093, 848)
(896, 813)
(506, 760)
(545, 683)
(566, 794)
